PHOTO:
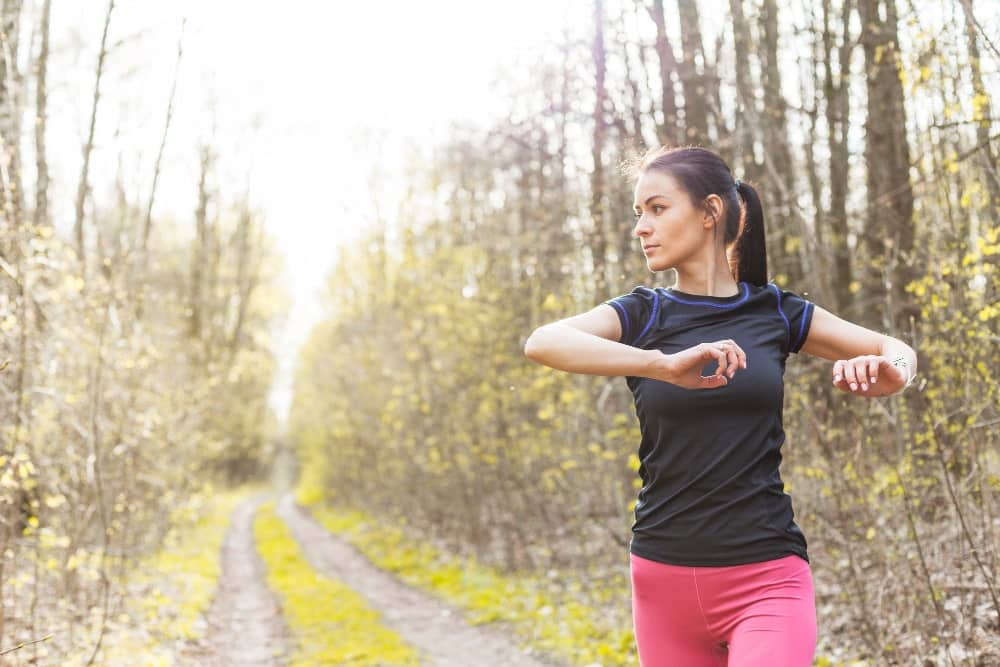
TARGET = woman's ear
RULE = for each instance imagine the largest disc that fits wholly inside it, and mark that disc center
(713, 208)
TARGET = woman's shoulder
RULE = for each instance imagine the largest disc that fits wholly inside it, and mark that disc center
(795, 309)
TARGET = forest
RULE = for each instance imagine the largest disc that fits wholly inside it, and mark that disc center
(138, 351)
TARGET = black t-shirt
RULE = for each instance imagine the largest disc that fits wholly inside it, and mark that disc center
(711, 493)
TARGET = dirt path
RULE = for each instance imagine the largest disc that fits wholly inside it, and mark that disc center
(245, 625)
(437, 630)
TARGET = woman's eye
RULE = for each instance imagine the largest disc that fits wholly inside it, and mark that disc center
(657, 209)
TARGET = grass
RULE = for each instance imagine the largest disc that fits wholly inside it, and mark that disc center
(550, 613)
(167, 592)
(331, 623)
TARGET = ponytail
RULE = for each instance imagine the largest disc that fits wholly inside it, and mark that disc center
(751, 250)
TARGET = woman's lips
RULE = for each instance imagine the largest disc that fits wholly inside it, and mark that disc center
(649, 248)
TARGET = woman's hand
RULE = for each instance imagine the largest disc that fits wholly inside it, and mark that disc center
(868, 375)
(684, 368)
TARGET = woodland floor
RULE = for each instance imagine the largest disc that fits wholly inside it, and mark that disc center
(245, 625)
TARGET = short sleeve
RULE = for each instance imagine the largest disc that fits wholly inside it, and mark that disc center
(797, 312)
(636, 312)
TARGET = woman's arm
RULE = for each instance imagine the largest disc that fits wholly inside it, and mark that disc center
(862, 357)
(588, 343)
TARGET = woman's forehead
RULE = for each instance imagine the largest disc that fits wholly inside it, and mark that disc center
(654, 182)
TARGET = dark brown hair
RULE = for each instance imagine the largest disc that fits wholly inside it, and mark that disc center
(701, 172)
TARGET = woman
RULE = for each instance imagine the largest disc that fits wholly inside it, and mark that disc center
(720, 572)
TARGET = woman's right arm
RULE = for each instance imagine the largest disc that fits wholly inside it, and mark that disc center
(588, 343)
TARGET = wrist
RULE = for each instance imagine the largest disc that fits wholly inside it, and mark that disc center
(901, 362)
(659, 366)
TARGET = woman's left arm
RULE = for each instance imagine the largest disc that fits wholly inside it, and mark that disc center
(862, 357)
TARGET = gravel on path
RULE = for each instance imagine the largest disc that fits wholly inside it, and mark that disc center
(436, 629)
(245, 625)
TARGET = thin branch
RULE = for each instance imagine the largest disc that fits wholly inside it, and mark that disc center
(88, 147)
(27, 643)
(967, 6)
(163, 141)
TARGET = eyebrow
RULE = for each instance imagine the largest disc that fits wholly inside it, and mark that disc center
(651, 198)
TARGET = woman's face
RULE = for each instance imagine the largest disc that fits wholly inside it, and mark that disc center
(668, 226)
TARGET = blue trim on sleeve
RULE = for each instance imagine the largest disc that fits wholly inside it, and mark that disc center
(802, 325)
(624, 315)
(788, 327)
(652, 317)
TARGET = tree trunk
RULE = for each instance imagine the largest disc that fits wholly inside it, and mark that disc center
(88, 147)
(10, 114)
(988, 157)
(199, 255)
(599, 244)
(835, 92)
(246, 279)
(787, 237)
(746, 107)
(692, 83)
(889, 216)
(632, 83)
(670, 130)
(41, 116)
(719, 131)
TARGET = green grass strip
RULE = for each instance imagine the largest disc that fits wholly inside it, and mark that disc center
(546, 612)
(331, 623)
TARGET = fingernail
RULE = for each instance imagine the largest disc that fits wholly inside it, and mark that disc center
(864, 387)
(854, 386)
(836, 378)
(874, 380)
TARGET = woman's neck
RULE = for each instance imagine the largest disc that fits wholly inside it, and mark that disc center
(707, 273)
(721, 285)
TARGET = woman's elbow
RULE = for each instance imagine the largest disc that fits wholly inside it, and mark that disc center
(534, 346)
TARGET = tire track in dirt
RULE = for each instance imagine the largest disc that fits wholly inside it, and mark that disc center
(436, 629)
(245, 625)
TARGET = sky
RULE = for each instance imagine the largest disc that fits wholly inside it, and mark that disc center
(303, 100)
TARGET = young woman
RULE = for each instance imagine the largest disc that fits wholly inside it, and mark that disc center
(719, 569)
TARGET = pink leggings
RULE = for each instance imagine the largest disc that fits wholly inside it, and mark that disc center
(754, 615)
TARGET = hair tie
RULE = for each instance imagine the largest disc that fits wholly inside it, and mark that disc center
(737, 184)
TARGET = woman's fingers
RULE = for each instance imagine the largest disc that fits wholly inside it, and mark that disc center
(861, 373)
(873, 364)
(850, 376)
(734, 356)
(840, 376)
(716, 352)
(856, 374)
(712, 381)
(729, 358)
